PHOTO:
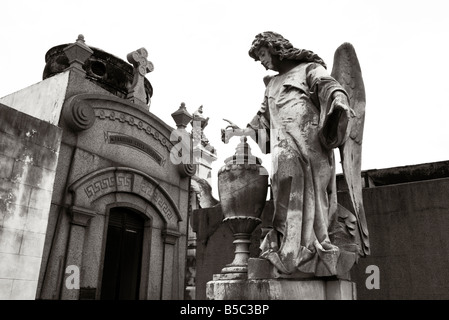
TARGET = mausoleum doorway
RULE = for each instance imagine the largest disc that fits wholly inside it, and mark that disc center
(123, 255)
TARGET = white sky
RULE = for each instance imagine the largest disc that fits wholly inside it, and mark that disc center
(200, 53)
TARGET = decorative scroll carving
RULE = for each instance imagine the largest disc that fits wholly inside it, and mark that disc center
(187, 169)
(79, 115)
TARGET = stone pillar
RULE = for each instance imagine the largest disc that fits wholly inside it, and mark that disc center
(80, 220)
(170, 239)
(204, 155)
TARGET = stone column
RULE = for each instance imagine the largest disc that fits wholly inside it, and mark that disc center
(170, 238)
(74, 256)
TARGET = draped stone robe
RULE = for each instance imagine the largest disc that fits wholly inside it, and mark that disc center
(302, 138)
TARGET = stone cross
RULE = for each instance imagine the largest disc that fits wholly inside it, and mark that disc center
(142, 66)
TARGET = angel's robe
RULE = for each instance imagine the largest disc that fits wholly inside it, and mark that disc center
(302, 137)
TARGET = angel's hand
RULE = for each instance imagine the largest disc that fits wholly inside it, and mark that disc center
(229, 131)
(340, 102)
(231, 125)
(233, 130)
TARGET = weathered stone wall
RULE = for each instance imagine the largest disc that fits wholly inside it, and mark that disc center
(28, 157)
(408, 225)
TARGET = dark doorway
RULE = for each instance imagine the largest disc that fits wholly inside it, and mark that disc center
(123, 255)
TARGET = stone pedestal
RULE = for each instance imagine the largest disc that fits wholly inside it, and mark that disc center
(281, 289)
(263, 282)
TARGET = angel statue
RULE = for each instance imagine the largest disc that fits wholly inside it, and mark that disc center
(306, 113)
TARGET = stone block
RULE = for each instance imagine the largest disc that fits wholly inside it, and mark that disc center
(24, 172)
(32, 244)
(45, 158)
(23, 290)
(14, 192)
(281, 289)
(340, 290)
(47, 179)
(9, 145)
(28, 268)
(10, 265)
(40, 199)
(15, 216)
(10, 240)
(48, 136)
(6, 166)
(37, 220)
(5, 288)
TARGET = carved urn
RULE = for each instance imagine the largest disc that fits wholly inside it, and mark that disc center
(242, 187)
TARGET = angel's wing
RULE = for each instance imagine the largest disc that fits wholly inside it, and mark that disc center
(346, 70)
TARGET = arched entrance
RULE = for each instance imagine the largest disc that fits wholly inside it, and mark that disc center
(95, 203)
(123, 255)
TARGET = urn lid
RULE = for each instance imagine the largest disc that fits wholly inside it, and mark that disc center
(243, 154)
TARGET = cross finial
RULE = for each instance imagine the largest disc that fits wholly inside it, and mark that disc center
(142, 66)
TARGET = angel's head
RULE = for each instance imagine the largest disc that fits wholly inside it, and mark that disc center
(280, 48)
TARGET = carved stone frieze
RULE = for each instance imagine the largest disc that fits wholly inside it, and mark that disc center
(95, 185)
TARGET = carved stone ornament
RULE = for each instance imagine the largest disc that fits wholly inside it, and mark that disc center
(187, 169)
(100, 183)
(78, 114)
(81, 216)
(142, 66)
(78, 53)
(242, 187)
(182, 117)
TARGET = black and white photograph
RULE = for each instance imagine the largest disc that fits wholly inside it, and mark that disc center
(224, 155)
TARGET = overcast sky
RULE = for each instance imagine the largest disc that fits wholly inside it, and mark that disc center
(200, 54)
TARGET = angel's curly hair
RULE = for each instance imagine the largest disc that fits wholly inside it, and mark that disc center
(278, 45)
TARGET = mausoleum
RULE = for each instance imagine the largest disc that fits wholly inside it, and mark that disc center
(92, 206)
